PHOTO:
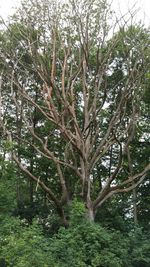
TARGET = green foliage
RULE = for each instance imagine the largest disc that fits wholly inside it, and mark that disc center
(89, 244)
(140, 248)
(77, 213)
(113, 214)
(24, 246)
(82, 244)
(8, 145)
(7, 186)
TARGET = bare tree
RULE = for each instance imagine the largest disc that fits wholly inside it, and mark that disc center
(89, 86)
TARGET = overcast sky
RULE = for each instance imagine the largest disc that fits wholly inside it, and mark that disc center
(6, 8)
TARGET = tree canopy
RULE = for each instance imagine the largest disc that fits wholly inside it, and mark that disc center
(73, 98)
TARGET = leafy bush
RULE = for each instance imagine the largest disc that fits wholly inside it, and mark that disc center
(140, 248)
(23, 245)
(90, 245)
(83, 244)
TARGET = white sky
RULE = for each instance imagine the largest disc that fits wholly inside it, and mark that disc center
(6, 8)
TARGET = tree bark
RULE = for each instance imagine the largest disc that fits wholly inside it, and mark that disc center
(90, 214)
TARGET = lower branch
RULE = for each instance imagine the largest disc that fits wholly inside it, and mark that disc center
(46, 189)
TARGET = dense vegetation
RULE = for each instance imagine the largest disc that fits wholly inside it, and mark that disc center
(74, 148)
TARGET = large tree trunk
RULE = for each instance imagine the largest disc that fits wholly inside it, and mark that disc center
(90, 214)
